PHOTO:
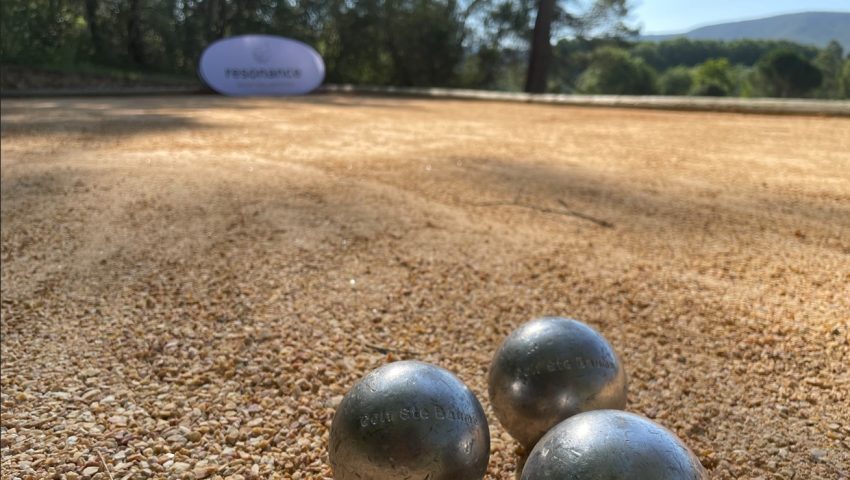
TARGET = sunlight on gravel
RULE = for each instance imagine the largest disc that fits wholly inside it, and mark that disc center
(191, 284)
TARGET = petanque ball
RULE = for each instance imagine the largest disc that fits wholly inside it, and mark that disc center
(409, 420)
(611, 445)
(550, 369)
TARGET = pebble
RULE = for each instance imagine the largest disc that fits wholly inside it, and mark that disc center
(204, 472)
(89, 471)
(817, 454)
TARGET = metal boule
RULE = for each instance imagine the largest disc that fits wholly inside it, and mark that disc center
(550, 369)
(409, 419)
(613, 445)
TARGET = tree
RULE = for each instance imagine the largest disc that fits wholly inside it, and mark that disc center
(425, 41)
(614, 71)
(829, 61)
(603, 17)
(786, 74)
(845, 79)
(541, 48)
(496, 54)
(713, 78)
(676, 81)
(135, 40)
(570, 58)
(396, 42)
(41, 31)
(94, 28)
(682, 51)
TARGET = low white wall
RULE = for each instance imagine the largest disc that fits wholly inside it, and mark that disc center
(712, 104)
(716, 104)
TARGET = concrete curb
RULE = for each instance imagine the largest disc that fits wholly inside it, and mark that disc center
(772, 106)
(712, 104)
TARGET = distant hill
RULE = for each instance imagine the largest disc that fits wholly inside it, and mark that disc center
(811, 28)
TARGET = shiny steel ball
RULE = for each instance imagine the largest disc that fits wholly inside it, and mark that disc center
(409, 420)
(611, 445)
(550, 369)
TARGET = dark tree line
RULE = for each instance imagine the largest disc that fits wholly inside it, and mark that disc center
(400, 42)
(536, 45)
(700, 67)
(690, 53)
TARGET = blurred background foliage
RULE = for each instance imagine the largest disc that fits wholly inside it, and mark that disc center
(585, 47)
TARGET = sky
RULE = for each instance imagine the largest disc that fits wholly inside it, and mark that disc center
(675, 16)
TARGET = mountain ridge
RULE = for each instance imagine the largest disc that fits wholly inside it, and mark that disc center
(808, 28)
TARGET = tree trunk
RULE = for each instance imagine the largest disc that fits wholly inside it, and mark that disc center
(210, 27)
(538, 64)
(223, 20)
(190, 42)
(94, 28)
(135, 42)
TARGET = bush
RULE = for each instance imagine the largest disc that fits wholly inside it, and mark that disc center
(614, 71)
(676, 81)
(829, 61)
(713, 78)
(784, 73)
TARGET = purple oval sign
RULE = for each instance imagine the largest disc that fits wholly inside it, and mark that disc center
(261, 65)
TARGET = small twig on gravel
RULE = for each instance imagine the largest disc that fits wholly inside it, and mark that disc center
(105, 466)
(39, 423)
(572, 213)
(598, 221)
(385, 350)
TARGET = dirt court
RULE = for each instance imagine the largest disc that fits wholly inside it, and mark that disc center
(190, 284)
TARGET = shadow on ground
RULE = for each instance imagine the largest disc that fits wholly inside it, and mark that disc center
(108, 117)
(551, 189)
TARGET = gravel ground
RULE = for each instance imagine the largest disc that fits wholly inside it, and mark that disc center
(190, 284)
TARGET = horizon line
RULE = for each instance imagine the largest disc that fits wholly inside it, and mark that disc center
(723, 22)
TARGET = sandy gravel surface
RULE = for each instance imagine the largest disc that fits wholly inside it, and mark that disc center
(190, 284)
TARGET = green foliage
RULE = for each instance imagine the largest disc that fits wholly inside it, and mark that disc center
(784, 73)
(507, 21)
(41, 31)
(494, 69)
(845, 79)
(424, 41)
(713, 78)
(829, 62)
(676, 81)
(690, 53)
(614, 71)
(397, 42)
(570, 58)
